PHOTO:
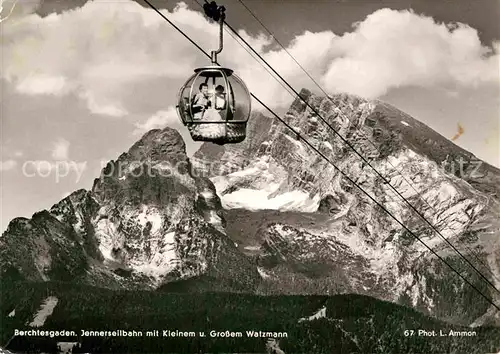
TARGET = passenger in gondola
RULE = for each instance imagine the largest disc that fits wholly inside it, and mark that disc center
(221, 102)
(200, 102)
(212, 112)
(220, 98)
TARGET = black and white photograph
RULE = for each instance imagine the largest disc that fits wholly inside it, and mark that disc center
(250, 176)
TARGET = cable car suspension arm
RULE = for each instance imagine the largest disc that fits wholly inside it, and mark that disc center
(217, 13)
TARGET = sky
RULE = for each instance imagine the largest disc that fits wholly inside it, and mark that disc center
(82, 81)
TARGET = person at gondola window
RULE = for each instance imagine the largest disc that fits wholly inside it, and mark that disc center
(200, 102)
(220, 98)
(220, 102)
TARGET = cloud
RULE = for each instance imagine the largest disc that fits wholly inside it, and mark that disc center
(60, 149)
(98, 106)
(7, 165)
(126, 45)
(60, 166)
(43, 85)
(392, 49)
(46, 166)
(57, 169)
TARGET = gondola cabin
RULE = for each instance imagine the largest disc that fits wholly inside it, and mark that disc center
(214, 104)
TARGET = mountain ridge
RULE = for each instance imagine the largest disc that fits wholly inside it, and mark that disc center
(274, 170)
(267, 216)
(145, 214)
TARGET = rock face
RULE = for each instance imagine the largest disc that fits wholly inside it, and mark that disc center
(146, 222)
(327, 236)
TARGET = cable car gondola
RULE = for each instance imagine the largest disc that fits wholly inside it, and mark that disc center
(215, 104)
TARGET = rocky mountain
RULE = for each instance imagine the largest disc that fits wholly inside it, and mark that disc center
(313, 231)
(269, 216)
(146, 222)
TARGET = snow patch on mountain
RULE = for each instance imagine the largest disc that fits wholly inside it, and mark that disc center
(300, 149)
(321, 313)
(328, 145)
(214, 219)
(107, 232)
(150, 215)
(252, 248)
(446, 192)
(258, 187)
(253, 199)
(162, 263)
(263, 273)
(207, 194)
(382, 261)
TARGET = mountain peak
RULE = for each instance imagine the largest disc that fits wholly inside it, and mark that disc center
(148, 220)
(298, 103)
(158, 145)
(159, 152)
(277, 170)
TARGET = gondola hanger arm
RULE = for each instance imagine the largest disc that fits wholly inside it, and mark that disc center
(218, 14)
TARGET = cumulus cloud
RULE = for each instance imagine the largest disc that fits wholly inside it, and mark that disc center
(400, 48)
(100, 106)
(59, 166)
(60, 149)
(58, 169)
(125, 44)
(7, 165)
(46, 167)
(43, 85)
(157, 121)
